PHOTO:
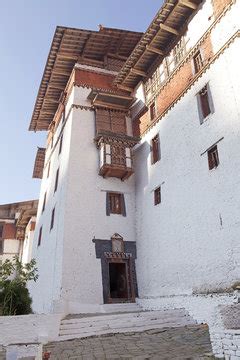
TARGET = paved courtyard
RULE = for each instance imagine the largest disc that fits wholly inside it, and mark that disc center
(188, 342)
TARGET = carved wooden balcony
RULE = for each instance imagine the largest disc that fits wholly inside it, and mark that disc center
(116, 155)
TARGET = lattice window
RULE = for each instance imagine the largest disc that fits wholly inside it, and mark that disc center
(157, 196)
(198, 62)
(213, 159)
(179, 51)
(118, 154)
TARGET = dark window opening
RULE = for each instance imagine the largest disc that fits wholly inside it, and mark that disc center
(118, 280)
(1, 246)
(40, 236)
(157, 196)
(213, 159)
(152, 111)
(56, 180)
(115, 204)
(48, 171)
(204, 102)
(155, 149)
(44, 202)
(198, 62)
(60, 145)
(1, 230)
(52, 219)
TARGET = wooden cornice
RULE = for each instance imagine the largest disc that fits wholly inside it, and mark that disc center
(138, 72)
(188, 4)
(126, 88)
(169, 29)
(154, 50)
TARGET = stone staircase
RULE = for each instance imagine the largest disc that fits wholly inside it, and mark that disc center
(121, 319)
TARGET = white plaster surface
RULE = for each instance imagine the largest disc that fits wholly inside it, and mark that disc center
(27, 329)
(189, 243)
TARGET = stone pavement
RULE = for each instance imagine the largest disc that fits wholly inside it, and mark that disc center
(188, 342)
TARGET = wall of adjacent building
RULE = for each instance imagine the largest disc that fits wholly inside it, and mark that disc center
(49, 253)
(189, 243)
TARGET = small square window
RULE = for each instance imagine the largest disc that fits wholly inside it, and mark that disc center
(153, 111)
(52, 219)
(203, 94)
(1, 246)
(44, 202)
(56, 180)
(213, 159)
(1, 230)
(198, 62)
(48, 170)
(157, 196)
(40, 236)
(205, 103)
(115, 204)
(155, 147)
(60, 145)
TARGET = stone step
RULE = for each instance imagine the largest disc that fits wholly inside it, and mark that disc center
(124, 307)
(125, 316)
(77, 323)
(131, 325)
(122, 330)
(119, 323)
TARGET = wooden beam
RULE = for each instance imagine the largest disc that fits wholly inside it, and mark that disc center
(56, 87)
(154, 50)
(116, 56)
(138, 72)
(60, 72)
(109, 105)
(169, 29)
(126, 88)
(124, 97)
(188, 4)
(67, 56)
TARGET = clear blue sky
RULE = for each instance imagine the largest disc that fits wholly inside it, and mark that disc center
(26, 31)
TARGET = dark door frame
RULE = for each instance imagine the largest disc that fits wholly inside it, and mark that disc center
(126, 259)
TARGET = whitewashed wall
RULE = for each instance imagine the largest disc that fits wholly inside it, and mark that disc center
(28, 242)
(193, 235)
(25, 329)
(49, 254)
(11, 248)
(66, 258)
(85, 216)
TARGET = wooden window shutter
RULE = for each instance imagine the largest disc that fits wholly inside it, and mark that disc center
(107, 204)
(123, 206)
(210, 99)
(200, 112)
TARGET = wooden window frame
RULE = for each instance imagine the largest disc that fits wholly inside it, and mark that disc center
(157, 196)
(52, 219)
(197, 61)
(115, 203)
(153, 112)
(1, 246)
(205, 103)
(56, 181)
(60, 145)
(155, 149)
(48, 170)
(1, 230)
(44, 202)
(40, 236)
(213, 158)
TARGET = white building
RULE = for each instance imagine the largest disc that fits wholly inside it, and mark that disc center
(139, 192)
(17, 224)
